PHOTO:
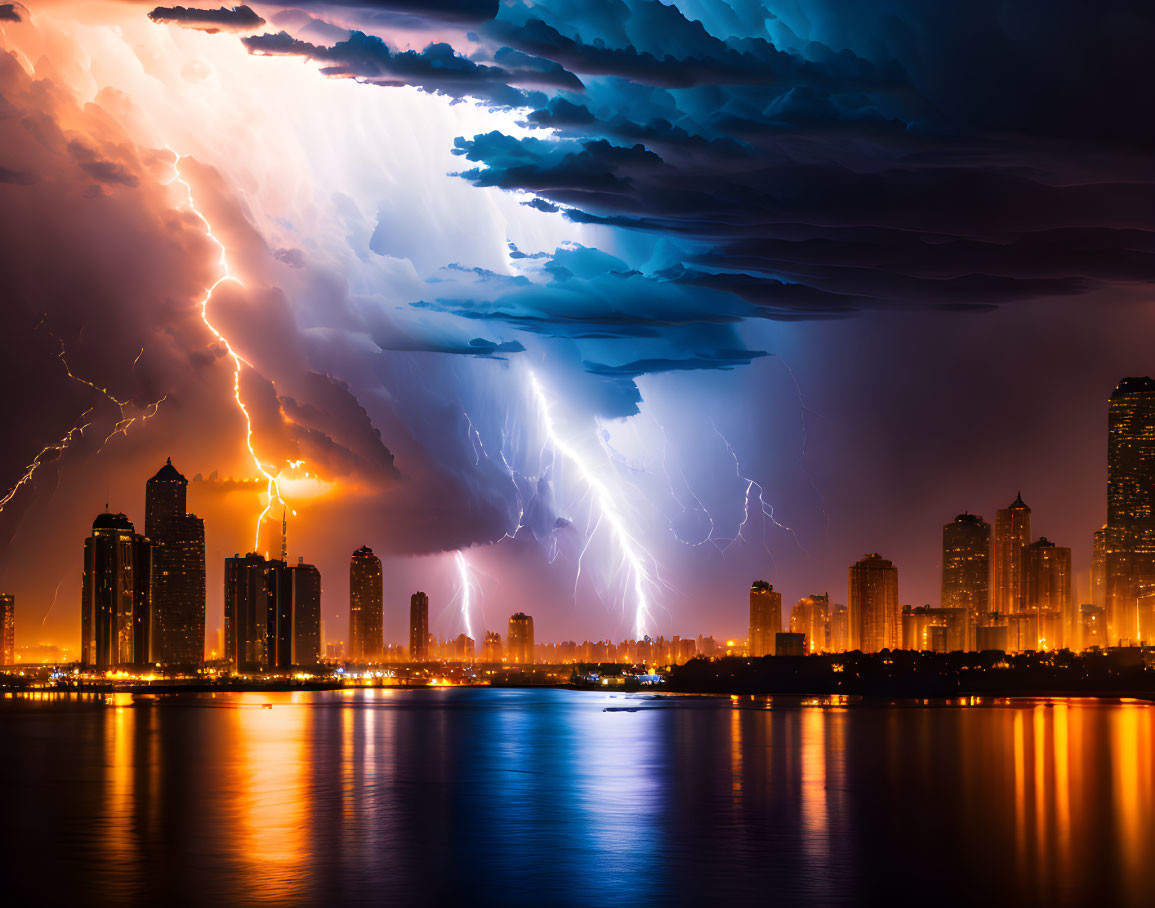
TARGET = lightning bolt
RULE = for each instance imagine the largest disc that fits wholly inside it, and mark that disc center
(640, 565)
(465, 573)
(47, 454)
(272, 490)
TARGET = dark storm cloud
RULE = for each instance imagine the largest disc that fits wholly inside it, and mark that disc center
(436, 68)
(236, 18)
(817, 161)
(12, 12)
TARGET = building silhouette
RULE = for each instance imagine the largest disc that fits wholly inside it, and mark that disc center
(520, 639)
(875, 615)
(811, 618)
(1012, 535)
(1047, 596)
(966, 565)
(491, 648)
(765, 618)
(418, 627)
(1099, 569)
(305, 583)
(258, 604)
(116, 595)
(1129, 543)
(178, 569)
(7, 629)
(366, 607)
(839, 634)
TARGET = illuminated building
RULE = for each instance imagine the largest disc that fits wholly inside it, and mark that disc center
(811, 617)
(305, 584)
(116, 599)
(1046, 595)
(1129, 543)
(258, 613)
(491, 649)
(765, 618)
(463, 648)
(1012, 535)
(1099, 568)
(178, 570)
(839, 635)
(966, 572)
(7, 629)
(520, 639)
(875, 615)
(992, 637)
(418, 627)
(335, 651)
(939, 630)
(789, 644)
(366, 607)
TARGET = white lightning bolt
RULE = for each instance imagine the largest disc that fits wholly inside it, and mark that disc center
(273, 492)
(642, 575)
(466, 575)
(47, 454)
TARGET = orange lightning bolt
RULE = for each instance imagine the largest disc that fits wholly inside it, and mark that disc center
(226, 276)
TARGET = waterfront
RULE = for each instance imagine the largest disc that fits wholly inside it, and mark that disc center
(573, 797)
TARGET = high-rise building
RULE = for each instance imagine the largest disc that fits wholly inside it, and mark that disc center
(765, 618)
(811, 617)
(1129, 543)
(1012, 535)
(418, 627)
(520, 639)
(258, 613)
(491, 649)
(7, 629)
(839, 636)
(178, 570)
(116, 595)
(966, 565)
(875, 615)
(305, 583)
(366, 607)
(1047, 595)
(1099, 568)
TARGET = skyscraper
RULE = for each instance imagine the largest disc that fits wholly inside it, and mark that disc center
(875, 615)
(418, 627)
(811, 617)
(1129, 542)
(1012, 535)
(116, 600)
(1047, 595)
(258, 613)
(966, 564)
(305, 583)
(765, 618)
(491, 650)
(366, 607)
(520, 640)
(178, 569)
(839, 628)
(7, 629)
(1099, 568)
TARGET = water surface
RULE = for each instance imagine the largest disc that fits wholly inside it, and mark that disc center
(568, 797)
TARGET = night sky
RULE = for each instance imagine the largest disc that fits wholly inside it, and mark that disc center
(630, 303)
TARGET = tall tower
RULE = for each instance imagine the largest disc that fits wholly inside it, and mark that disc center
(811, 616)
(966, 568)
(1012, 534)
(258, 613)
(418, 627)
(178, 569)
(116, 595)
(520, 641)
(875, 615)
(765, 618)
(1047, 595)
(7, 629)
(366, 607)
(305, 634)
(1129, 543)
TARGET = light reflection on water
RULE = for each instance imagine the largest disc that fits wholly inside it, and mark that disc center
(574, 798)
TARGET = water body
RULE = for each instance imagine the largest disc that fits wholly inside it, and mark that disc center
(566, 797)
